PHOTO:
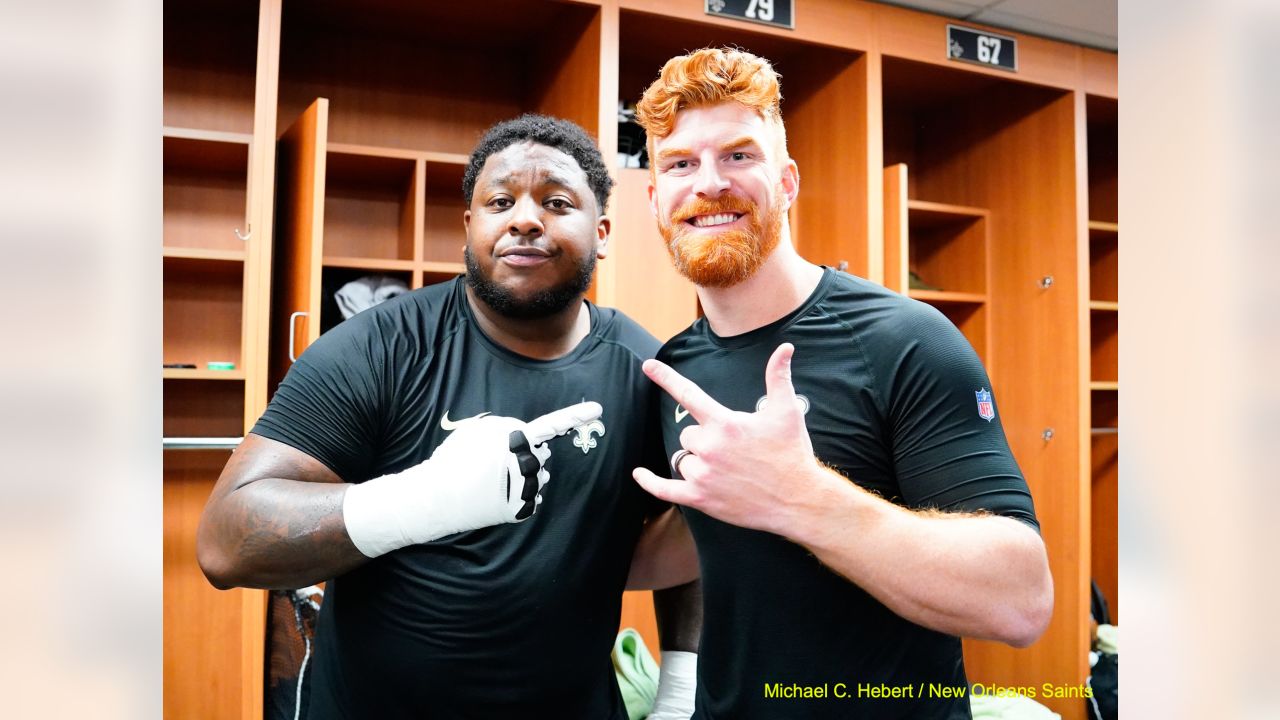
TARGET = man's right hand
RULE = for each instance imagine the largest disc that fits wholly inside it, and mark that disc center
(490, 470)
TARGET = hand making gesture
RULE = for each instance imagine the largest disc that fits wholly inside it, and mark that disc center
(742, 468)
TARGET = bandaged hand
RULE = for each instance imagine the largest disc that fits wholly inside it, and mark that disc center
(489, 471)
(677, 686)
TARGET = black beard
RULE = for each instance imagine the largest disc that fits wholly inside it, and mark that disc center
(541, 304)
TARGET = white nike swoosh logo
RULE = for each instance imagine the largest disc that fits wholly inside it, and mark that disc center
(681, 414)
(450, 425)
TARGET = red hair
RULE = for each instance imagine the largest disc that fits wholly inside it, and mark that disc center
(709, 77)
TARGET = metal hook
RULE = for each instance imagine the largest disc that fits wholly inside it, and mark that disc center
(246, 236)
(1047, 434)
(1046, 282)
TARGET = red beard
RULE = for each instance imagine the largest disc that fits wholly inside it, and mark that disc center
(727, 258)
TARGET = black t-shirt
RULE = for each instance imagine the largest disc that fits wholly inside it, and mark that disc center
(506, 621)
(893, 393)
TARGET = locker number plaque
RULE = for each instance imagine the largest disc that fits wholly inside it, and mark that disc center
(982, 48)
(778, 13)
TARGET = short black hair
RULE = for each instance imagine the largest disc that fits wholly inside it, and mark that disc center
(563, 135)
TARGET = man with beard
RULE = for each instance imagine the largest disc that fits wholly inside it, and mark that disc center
(854, 501)
(406, 457)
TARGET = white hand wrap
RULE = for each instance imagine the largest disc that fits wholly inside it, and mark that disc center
(490, 470)
(677, 685)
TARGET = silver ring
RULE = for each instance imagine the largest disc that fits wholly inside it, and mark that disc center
(676, 457)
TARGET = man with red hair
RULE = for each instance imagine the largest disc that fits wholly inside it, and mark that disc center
(853, 498)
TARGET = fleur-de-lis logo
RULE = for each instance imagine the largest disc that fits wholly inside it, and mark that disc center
(584, 438)
(714, 6)
(957, 50)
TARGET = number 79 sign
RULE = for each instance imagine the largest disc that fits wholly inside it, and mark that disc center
(768, 12)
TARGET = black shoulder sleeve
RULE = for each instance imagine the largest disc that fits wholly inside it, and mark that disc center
(949, 448)
(329, 405)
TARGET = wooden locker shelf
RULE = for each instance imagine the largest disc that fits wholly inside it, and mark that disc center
(203, 309)
(1104, 342)
(369, 203)
(927, 214)
(202, 374)
(183, 253)
(197, 136)
(203, 407)
(1104, 266)
(943, 296)
(944, 244)
(204, 189)
(376, 264)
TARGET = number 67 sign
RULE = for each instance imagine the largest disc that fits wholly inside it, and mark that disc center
(768, 12)
(982, 48)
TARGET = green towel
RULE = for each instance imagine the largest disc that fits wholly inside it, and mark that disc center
(637, 673)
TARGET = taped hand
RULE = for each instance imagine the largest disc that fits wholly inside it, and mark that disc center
(490, 470)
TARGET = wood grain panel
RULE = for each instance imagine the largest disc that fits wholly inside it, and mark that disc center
(443, 234)
(1103, 144)
(568, 85)
(1105, 525)
(1099, 70)
(369, 206)
(300, 235)
(1104, 340)
(202, 640)
(951, 256)
(412, 75)
(1104, 266)
(831, 221)
(203, 408)
(368, 222)
(646, 285)
(413, 217)
(895, 228)
(210, 55)
(261, 226)
(204, 192)
(202, 310)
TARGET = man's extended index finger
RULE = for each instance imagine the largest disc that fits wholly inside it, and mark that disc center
(561, 421)
(686, 392)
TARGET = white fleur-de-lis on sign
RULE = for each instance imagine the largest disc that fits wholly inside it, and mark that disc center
(584, 437)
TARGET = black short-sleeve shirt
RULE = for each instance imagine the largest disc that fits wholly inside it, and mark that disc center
(895, 403)
(506, 621)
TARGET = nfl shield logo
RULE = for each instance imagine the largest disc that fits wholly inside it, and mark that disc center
(986, 409)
